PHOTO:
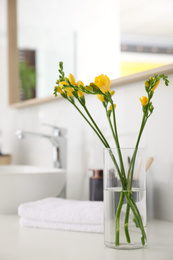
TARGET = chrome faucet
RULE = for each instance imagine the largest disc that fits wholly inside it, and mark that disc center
(58, 141)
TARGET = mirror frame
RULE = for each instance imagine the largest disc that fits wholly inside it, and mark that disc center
(13, 66)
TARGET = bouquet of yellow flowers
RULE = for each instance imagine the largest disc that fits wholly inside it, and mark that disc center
(74, 92)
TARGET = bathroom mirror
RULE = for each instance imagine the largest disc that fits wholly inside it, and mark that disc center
(42, 33)
(50, 31)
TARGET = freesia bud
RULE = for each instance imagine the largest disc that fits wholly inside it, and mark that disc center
(89, 88)
(155, 86)
(112, 92)
(144, 101)
(147, 83)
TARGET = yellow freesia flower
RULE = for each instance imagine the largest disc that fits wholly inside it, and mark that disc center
(155, 86)
(80, 93)
(144, 101)
(79, 83)
(69, 92)
(60, 90)
(103, 83)
(71, 79)
(62, 83)
(110, 107)
(101, 97)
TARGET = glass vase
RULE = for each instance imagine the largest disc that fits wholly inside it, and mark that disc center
(124, 198)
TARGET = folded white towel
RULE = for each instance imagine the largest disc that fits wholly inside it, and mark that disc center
(61, 226)
(63, 214)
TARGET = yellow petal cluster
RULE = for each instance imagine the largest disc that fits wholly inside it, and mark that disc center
(59, 90)
(101, 97)
(144, 101)
(62, 83)
(155, 86)
(110, 107)
(71, 79)
(103, 83)
(79, 83)
(80, 93)
(69, 92)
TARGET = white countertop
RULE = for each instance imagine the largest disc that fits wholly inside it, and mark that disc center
(21, 243)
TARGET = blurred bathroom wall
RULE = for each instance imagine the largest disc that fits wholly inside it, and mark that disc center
(84, 149)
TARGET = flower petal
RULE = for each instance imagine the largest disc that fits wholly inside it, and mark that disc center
(62, 83)
(101, 98)
(79, 83)
(71, 79)
(80, 93)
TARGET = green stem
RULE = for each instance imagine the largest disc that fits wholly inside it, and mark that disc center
(137, 216)
(132, 163)
(139, 221)
(107, 145)
(116, 165)
(98, 132)
(117, 141)
(120, 174)
(117, 219)
(130, 180)
(103, 140)
(126, 228)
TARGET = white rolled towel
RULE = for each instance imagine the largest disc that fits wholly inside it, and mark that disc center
(57, 213)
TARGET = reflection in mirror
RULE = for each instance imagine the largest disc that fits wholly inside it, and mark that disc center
(146, 35)
(83, 34)
(116, 38)
(27, 72)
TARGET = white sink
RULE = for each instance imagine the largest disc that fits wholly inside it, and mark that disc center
(23, 183)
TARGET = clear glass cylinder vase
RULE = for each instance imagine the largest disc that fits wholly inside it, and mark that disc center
(125, 198)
